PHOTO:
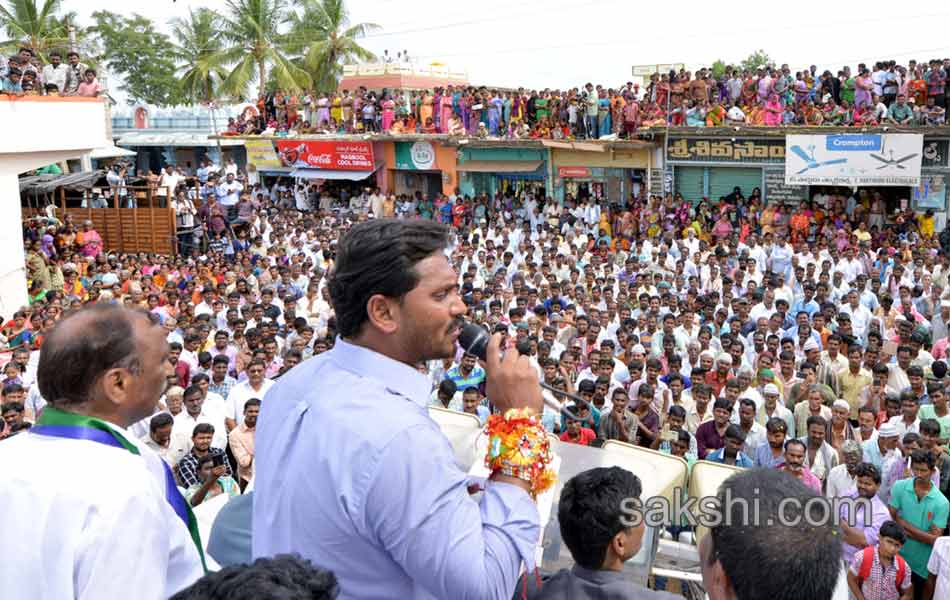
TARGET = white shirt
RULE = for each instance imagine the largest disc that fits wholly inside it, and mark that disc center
(84, 510)
(939, 565)
(839, 482)
(184, 426)
(243, 392)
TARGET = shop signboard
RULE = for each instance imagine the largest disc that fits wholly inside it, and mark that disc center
(779, 192)
(715, 150)
(415, 156)
(262, 155)
(854, 159)
(330, 155)
(573, 172)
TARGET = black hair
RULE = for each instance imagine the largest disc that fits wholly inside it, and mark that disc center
(379, 257)
(448, 387)
(220, 359)
(868, 470)
(590, 512)
(160, 420)
(199, 377)
(722, 403)
(71, 365)
(922, 456)
(202, 428)
(775, 424)
(14, 406)
(893, 530)
(815, 420)
(283, 577)
(813, 542)
(677, 411)
(252, 402)
(735, 432)
(191, 390)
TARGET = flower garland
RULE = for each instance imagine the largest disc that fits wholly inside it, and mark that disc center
(518, 447)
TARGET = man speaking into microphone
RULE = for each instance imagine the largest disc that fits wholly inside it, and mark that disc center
(353, 474)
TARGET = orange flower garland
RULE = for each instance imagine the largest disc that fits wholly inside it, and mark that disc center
(518, 447)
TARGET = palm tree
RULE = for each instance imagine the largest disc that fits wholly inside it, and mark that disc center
(199, 47)
(40, 28)
(326, 41)
(255, 41)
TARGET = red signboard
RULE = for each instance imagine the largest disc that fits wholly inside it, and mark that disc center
(339, 156)
(565, 172)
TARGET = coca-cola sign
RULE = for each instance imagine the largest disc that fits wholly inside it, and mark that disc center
(342, 156)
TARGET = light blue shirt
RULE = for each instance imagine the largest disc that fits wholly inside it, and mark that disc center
(354, 475)
(719, 456)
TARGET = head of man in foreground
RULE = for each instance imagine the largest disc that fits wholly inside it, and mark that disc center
(394, 290)
(789, 550)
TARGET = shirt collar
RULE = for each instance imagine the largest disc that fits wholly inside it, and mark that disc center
(397, 377)
(597, 576)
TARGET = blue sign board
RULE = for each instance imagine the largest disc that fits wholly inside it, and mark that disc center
(853, 143)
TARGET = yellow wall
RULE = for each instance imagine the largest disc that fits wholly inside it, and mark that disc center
(627, 159)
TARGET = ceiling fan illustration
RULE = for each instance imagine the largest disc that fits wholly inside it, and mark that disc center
(891, 161)
(809, 158)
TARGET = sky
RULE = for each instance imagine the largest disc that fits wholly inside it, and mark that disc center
(566, 43)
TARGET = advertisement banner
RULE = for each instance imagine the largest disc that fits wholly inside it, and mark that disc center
(577, 172)
(854, 159)
(263, 156)
(337, 156)
(931, 193)
(415, 156)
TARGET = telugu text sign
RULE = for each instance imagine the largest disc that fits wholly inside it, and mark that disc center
(854, 159)
(338, 156)
(726, 150)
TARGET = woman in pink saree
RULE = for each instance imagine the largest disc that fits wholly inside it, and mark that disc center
(446, 110)
(91, 241)
(773, 111)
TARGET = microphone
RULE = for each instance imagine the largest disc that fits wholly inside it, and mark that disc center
(474, 340)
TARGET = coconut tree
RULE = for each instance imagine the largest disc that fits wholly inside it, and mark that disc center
(39, 27)
(255, 41)
(324, 38)
(198, 50)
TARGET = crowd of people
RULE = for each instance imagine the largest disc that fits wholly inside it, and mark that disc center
(25, 75)
(811, 340)
(909, 95)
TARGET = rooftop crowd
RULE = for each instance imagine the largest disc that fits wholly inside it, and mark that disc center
(885, 93)
(812, 340)
(25, 75)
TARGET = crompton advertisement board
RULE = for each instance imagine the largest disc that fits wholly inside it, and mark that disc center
(338, 156)
(853, 159)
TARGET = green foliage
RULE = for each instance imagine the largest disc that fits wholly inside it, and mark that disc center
(325, 40)
(718, 69)
(141, 56)
(38, 27)
(756, 60)
(198, 47)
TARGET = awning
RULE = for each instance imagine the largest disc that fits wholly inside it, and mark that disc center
(499, 166)
(71, 181)
(332, 174)
(174, 139)
(110, 151)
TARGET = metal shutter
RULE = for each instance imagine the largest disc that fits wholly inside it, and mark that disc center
(722, 180)
(688, 181)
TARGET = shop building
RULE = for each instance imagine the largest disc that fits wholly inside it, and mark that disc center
(611, 171)
(492, 166)
(420, 164)
(709, 167)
